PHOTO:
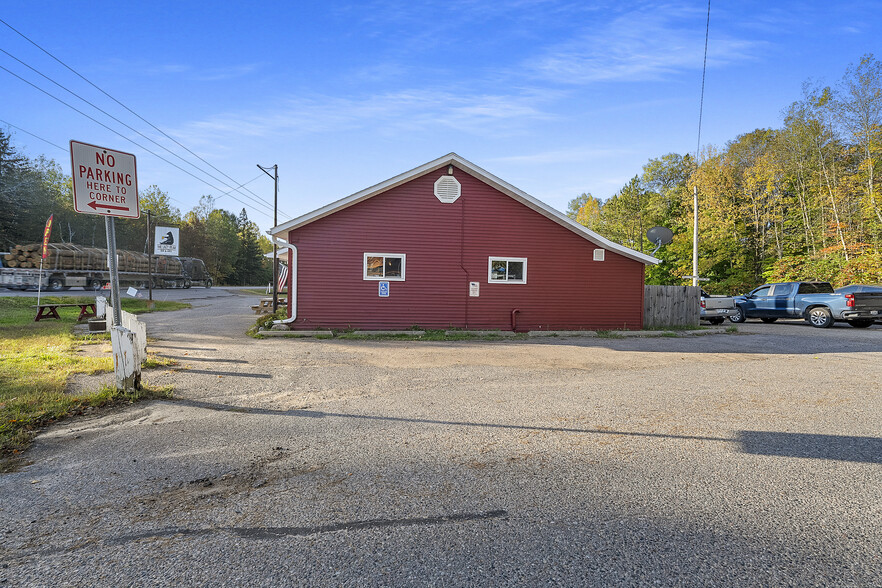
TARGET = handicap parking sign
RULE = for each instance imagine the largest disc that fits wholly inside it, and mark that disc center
(384, 289)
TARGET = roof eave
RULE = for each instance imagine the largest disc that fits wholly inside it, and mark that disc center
(498, 183)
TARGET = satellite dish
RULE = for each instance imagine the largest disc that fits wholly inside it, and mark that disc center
(660, 236)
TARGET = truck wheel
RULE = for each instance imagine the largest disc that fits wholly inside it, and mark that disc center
(819, 317)
(187, 284)
(94, 285)
(737, 316)
(208, 283)
(861, 323)
(768, 319)
(55, 284)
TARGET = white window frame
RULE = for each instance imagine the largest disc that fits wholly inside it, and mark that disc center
(365, 275)
(493, 258)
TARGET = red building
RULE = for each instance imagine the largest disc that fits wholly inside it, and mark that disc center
(449, 245)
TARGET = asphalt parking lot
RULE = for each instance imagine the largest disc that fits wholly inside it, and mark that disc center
(745, 459)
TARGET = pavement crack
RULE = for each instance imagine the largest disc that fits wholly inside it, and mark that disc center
(281, 532)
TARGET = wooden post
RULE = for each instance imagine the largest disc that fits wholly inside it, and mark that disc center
(126, 359)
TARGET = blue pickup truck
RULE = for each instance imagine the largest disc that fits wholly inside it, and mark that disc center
(816, 302)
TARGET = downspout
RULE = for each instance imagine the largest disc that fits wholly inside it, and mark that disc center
(292, 291)
(462, 222)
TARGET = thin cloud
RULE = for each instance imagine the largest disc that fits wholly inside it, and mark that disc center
(225, 73)
(163, 69)
(643, 45)
(410, 110)
(213, 74)
(562, 156)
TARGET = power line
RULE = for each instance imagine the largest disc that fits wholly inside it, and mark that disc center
(695, 278)
(67, 150)
(78, 74)
(9, 124)
(69, 91)
(121, 135)
(703, 74)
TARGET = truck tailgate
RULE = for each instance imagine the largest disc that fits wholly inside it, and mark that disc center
(714, 303)
(868, 302)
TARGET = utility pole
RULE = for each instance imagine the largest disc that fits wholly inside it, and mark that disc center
(694, 235)
(149, 263)
(275, 177)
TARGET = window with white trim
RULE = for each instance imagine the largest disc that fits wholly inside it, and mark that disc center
(507, 270)
(384, 266)
(599, 254)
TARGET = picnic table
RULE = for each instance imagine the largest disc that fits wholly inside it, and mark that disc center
(50, 310)
(266, 305)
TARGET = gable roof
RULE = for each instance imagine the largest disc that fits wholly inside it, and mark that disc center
(483, 175)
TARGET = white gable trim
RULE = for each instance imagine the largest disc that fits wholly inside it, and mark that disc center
(485, 176)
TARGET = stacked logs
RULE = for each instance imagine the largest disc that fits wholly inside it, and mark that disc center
(23, 256)
(66, 256)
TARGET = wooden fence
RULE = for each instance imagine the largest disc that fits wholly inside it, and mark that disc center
(671, 306)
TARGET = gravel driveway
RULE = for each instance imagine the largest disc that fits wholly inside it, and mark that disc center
(750, 459)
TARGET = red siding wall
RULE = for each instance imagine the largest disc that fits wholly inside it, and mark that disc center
(448, 246)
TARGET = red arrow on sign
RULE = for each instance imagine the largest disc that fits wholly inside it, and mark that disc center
(96, 206)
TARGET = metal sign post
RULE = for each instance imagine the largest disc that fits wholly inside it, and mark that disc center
(105, 182)
(110, 227)
(149, 264)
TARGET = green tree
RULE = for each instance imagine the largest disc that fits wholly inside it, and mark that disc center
(858, 108)
(585, 209)
(160, 207)
(251, 266)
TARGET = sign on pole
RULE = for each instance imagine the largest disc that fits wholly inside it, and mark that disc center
(166, 241)
(105, 181)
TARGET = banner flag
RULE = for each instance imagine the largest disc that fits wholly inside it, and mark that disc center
(46, 232)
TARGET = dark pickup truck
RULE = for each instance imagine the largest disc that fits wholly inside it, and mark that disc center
(816, 302)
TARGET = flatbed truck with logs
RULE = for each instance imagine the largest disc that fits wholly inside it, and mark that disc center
(68, 265)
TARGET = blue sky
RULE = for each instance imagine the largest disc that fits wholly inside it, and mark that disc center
(555, 97)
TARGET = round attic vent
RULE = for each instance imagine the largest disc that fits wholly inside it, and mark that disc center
(447, 189)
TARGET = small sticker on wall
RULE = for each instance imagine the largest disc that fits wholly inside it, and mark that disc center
(474, 288)
(384, 289)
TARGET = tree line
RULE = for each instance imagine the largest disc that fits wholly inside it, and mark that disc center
(800, 202)
(31, 189)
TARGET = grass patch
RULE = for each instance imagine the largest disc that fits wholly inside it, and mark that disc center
(676, 328)
(22, 417)
(401, 336)
(155, 361)
(609, 335)
(38, 359)
(257, 291)
(430, 335)
(265, 321)
(140, 306)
